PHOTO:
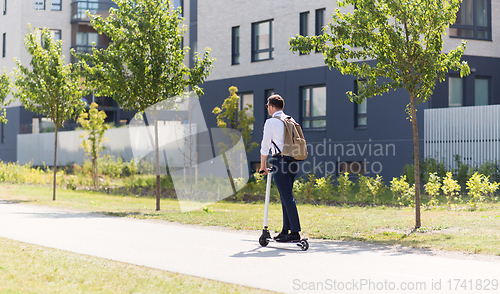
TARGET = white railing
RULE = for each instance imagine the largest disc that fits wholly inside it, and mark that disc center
(473, 133)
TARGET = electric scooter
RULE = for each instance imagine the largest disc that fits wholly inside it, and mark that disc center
(265, 238)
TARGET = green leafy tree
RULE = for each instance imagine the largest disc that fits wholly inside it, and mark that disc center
(5, 87)
(93, 122)
(450, 188)
(144, 65)
(49, 86)
(405, 38)
(230, 117)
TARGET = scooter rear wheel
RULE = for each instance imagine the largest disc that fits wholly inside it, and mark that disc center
(304, 245)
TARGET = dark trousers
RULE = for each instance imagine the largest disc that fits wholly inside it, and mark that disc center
(284, 173)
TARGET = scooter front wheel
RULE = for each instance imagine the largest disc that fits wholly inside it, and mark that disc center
(263, 241)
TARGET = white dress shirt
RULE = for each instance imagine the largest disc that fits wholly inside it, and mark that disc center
(273, 132)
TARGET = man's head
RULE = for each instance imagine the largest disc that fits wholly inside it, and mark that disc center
(275, 103)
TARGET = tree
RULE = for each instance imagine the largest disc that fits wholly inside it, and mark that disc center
(230, 117)
(144, 64)
(49, 86)
(93, 123)
(4, 91)
(405, 38)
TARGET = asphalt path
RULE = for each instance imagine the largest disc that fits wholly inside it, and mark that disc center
(236, 256)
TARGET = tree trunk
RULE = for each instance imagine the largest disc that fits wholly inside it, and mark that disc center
(416, 152)
(55, 165)
(157, 157)
(94, 170)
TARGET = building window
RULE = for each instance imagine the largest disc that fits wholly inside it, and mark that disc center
(319, 23)
(246, 99)
(262, 40)
(56, 35)
(314, 107)
(456, 92)
(86, 38)
(83, 5)
(473, 20)
(352, 167)
(235, 45)
(360, 110)
(4, 45)
(56, 5)
(267, 94)
(303, 27)
(4, 7)
(482, 91)
(304, 16)
(39, 4)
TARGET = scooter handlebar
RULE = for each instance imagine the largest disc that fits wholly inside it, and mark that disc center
(268, 170)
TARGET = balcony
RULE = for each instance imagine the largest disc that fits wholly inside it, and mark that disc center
(96, 7)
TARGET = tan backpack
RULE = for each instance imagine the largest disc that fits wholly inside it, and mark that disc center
(294, 146)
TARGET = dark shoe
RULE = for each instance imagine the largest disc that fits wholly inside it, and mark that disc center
(280, 235)
(293, 237)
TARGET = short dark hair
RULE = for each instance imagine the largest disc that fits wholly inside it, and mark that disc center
(276, 101)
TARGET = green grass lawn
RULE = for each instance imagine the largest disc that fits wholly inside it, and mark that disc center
(455, 230)
(26, 268)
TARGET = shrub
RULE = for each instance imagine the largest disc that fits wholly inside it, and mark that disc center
(432, 188)
(450, 188)
(325, 188)
(363, 188)
(476, 187)
(344, 185)
(376, 186)
(399, 187)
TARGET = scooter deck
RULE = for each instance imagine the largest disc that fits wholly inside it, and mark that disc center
(297, 241)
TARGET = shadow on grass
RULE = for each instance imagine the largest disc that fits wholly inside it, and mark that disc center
(17, 201)
(119, 214)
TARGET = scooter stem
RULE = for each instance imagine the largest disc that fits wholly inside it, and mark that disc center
(268, 196)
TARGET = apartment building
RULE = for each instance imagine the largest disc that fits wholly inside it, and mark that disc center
(249, 39)
(68, 22)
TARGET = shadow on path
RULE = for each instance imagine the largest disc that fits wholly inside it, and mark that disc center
(329, 246)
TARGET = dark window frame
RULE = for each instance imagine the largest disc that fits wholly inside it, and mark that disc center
(59, 5)
(311, 118)
(319, 23)
(267, 94)
(41, 1)
(235, 45)
(303, 26)
(474, 27)
(4, 7)
(255, 51)
(4, 45)
(358, 115)
(488, 78)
